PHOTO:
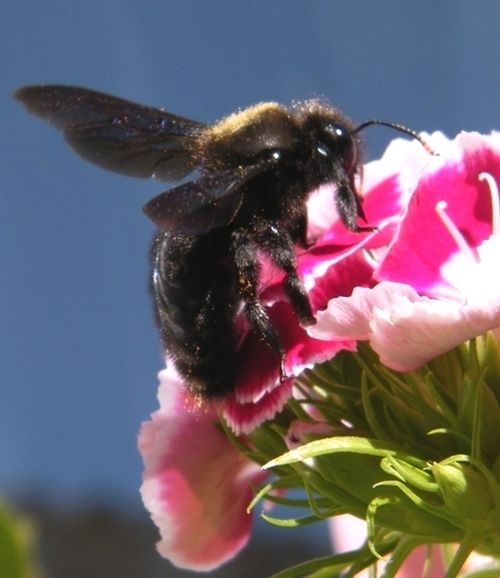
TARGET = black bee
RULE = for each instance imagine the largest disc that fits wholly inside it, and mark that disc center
(250, 177)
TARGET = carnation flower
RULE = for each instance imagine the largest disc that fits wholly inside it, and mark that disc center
(440, 288)
(390, 410)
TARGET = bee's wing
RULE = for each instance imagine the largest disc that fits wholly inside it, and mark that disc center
(116, 134)
(199, 206)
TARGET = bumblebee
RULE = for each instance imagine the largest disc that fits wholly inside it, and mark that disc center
(245, 182)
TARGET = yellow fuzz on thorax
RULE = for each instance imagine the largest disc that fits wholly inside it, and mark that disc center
(236, 121)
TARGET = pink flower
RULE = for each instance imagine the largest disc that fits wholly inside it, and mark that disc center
(196, 486)
(438, 282)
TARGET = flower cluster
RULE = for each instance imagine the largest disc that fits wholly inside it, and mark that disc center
(399, 379)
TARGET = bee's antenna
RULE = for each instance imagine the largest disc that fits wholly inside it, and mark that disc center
(400, 128)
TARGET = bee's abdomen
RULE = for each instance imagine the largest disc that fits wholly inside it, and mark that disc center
(194, 290)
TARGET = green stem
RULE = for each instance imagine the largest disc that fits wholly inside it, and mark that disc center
(463, 552)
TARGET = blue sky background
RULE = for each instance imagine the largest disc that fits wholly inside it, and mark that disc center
(78, 349)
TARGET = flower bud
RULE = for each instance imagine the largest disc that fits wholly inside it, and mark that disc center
(466, 493)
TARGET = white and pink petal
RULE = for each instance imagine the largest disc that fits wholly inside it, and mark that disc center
(196, 485)
(451, 191)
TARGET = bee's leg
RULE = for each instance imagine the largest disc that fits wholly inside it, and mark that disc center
(278, 244)
(248, 269)
(299, 232)
(349, 208)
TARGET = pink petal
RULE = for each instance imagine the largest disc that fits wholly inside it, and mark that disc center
(259, 395)
(340, 279)
(245, 417)
(196, 485)
(409, 334)
(424, 245)
(351, 317)
(476, 281)
(406, 330)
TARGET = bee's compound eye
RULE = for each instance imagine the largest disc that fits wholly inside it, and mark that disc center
(338, 141)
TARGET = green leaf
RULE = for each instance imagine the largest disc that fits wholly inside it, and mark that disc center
(341, 444)
(15, 542)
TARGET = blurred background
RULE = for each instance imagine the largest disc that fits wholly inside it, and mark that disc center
(79, 351)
